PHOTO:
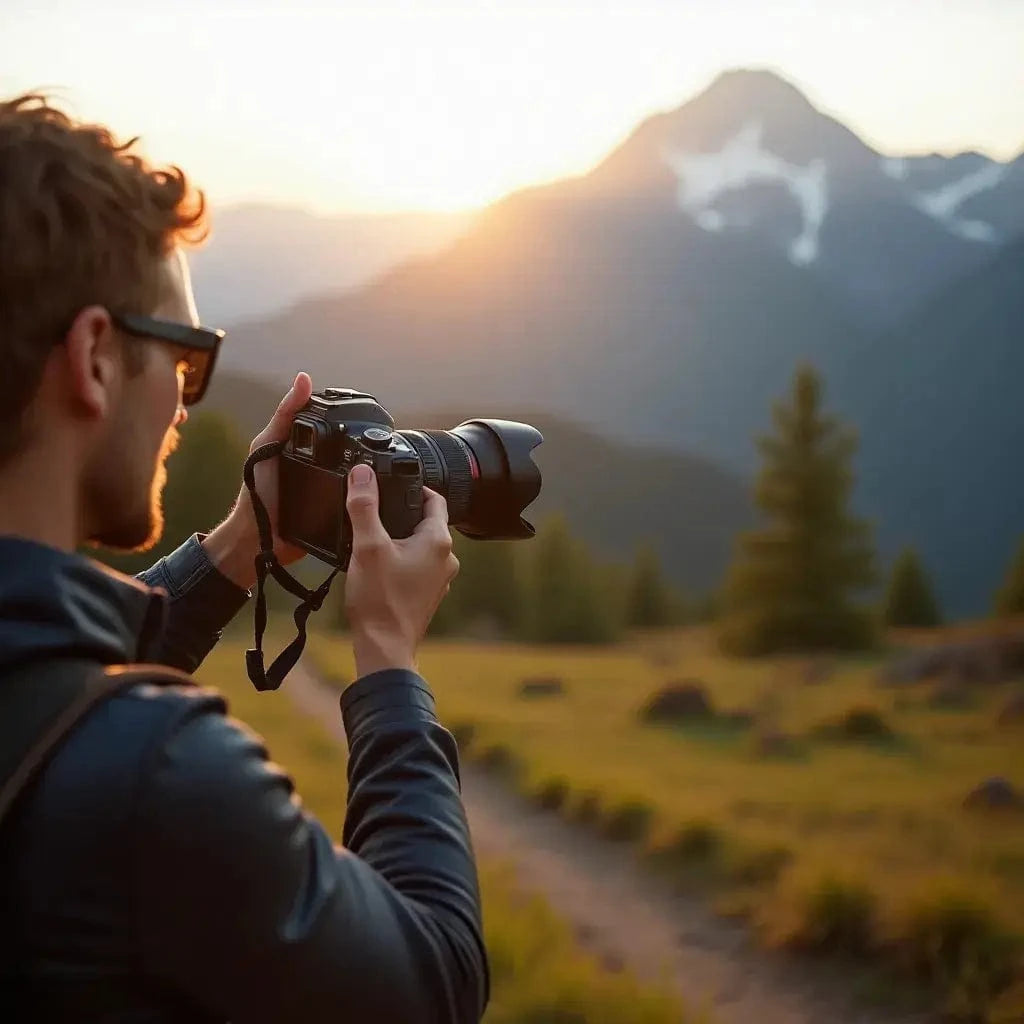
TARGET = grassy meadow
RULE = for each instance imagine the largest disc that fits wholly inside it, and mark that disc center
(834, 836)
(539, 973)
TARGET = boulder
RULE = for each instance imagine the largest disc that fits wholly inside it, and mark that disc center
(775, 743)
(995, 794)
(684, 701)
(989, 659)
(951, 695)
(818, 670)
(1012, 712)
(541, 686)
(740, 718)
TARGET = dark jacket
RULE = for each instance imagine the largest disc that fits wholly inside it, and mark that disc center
(162, 869)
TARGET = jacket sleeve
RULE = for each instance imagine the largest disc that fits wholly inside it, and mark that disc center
(201, 601)
(245, 904)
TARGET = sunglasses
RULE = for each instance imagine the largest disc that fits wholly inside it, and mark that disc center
(200, 344)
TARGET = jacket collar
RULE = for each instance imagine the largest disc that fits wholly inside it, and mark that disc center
(55, 604)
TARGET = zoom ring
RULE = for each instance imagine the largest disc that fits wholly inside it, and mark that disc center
(430, 458)
(456, 458)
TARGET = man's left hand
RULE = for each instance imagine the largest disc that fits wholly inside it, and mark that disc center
(234, 544)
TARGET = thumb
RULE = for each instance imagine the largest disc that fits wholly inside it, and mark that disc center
(363, 502)
(280, 424)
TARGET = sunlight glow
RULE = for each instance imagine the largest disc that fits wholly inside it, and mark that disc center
(451, 105)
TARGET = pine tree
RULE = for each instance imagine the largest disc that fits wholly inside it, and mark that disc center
(565, 602)
(793, 581)
(1010, 597)
(910, 600)
(488, 586)
(650, 602)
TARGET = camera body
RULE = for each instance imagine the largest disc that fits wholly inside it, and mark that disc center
(338, 429)
(483, 468)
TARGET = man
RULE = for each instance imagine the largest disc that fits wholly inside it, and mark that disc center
(161, 868)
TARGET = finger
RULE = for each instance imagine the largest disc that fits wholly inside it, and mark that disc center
(435, 508)
(362, 502)
(280, 424)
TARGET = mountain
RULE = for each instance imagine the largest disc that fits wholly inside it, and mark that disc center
(663, 300)
(613, 493)
(262, 258)
(942, 430)
(752, 158)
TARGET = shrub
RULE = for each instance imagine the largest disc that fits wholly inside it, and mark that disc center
(541, 686)
(628, 821)
(955, 942)
(858, 724)
(588, 808)
(552, 794)
(464, 733)
(837, 915)
(500, 760)
(759, 865)
(678, 702)
(696, 841)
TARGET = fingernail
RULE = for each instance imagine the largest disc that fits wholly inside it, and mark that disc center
(361, 475)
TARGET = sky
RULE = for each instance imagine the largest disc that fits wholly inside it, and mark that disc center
(350, 106)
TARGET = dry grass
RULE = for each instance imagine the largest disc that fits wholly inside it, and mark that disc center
(886, 811)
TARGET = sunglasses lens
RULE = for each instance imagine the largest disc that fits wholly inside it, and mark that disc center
(197, 374)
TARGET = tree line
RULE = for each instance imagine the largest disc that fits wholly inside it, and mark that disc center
(807, 577)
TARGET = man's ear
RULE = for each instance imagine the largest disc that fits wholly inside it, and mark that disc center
(94, 364)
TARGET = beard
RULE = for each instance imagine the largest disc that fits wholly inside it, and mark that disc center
(127, 507)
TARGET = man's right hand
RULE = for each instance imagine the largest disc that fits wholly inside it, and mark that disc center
(393, 587)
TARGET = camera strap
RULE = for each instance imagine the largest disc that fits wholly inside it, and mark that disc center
(266, 561)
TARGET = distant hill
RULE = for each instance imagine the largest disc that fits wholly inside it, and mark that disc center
(261, 259)
(939, 410)
(614, 493)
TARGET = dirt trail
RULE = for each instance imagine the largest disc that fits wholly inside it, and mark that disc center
(627, 917)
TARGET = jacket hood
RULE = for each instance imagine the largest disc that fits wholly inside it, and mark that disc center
(55, 604)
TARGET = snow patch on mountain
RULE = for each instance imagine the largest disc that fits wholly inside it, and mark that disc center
(742, 161)
(943, 202)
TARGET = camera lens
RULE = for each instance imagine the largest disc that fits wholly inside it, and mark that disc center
(485, 471)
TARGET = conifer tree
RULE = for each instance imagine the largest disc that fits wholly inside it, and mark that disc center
(565, 602)
(650, 602)
(794, 581)
(910, 599)
(1010, 596)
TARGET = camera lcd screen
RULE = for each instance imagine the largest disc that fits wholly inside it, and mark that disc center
(312, 506)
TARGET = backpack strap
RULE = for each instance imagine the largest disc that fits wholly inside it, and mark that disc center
(42, 702)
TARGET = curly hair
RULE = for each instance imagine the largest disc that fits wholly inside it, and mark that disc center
(84, 220)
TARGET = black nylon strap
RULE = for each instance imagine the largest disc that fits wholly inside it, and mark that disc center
(266, 561)
(42, 702)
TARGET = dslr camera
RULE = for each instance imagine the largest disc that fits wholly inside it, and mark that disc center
(483, 468)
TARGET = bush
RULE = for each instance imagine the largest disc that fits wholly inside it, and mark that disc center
(464, 733)
(541, 686)
(628, 821)
(696, 841)
(759, 865)
(858, 725)
(553, 794)
(588, 808)
(678, 702)
(500, 760)
(837, 916)
(954, 942)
